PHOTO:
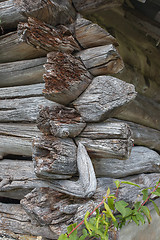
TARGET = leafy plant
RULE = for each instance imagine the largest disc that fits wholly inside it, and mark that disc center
(115, 214)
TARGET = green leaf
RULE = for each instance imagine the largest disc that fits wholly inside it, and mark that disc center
(73, 235)
(117, 182)
(155, 207)
(140, 217)
(146, 212)
(130, 183)
(121, 207)
(134, 218)
(156, 193)
(86, 223)
(145, 194)
(108, 191)
(137, 205)
(109, 211)
(111, 203)
(85, 234)
(63, 237)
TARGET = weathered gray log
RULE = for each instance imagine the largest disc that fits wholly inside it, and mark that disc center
(22, 72)
(41, 35)
(101, 60)
(91, 6)
(141, 160)
(14, 219)
(143, 111)
(86, 184)
(19, 178)
(65, 78)
(90, 34)
(53, 12)
(68, 209)
(9, 14)
(107, 148)
(16, 139)
(60, 121)
(143, 136)
(54, 156)
(21, 109)
(103, 98)
(12, 48)
(107, 130)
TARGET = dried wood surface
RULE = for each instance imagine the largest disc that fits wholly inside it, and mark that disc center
(68, 209)
(60, 121)
(65, 78)
(14, 218)
(22, 72)
(143, 111)
(53, 12)
(101, 60)
(21, 109)
(43, 36)
(107, 148)
(141, 160)
(9, 14)
(90, 34)
(103, 98)
(91, 6)
(12, 48)
(53, 155)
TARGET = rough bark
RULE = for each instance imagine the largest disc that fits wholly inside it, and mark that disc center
(91, 6)
(12, 48)
(14, 219)
(143, 111)
(53, 12)
(89, 34)
(68, 209)
(101, 60)
(21, 72)
(141, 160)
(43, 36)
(103, 98)
(65, 78)
(60, 121)
(54, 156)
(10, 15)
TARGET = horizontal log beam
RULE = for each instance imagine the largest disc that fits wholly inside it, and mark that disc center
(101, 60)
(22, 72)
(89, 34)
(103, 98)
(65, 77)
(12, 49)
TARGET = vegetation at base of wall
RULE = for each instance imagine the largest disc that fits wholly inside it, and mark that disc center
(114, 216)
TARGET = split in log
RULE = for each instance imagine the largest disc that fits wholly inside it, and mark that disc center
(65, 78)
(91, 6)
(43, 36)
(89, 34)
(143, 136)
(9, 15)
(143, 111)
(52, 12)
(60, 121)
(101, 60)
(19, 178)
(54, 156)
(107, 130)
(21, 109)
(14, 219)
(21, 72)
(13, 49)
(68, 210)
(141, 160)
(86, 185)
(107, 148)
(103, 98)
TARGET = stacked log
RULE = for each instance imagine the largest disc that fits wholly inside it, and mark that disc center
(78, 149)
